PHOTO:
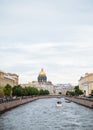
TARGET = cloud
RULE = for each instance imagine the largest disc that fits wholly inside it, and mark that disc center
(60, 60)
(55, 35)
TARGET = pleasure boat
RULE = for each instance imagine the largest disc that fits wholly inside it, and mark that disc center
(59, 104)
(67, 101)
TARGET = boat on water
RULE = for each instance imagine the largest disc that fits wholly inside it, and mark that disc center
(67, 101)
(58, 103)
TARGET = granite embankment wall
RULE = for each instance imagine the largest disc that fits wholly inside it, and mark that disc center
(12, 104)
(81, 101)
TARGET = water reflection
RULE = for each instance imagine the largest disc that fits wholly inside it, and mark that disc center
(44, 115)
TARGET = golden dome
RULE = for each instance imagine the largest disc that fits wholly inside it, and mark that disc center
(42, 72)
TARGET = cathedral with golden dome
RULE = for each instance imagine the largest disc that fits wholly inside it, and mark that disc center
(42, 78)
(42, 83)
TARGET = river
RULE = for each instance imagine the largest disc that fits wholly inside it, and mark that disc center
(43, 114)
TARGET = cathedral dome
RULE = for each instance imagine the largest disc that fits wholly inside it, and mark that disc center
(42, 77)
(42, 72)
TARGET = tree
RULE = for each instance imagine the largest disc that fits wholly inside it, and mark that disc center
(91, 92)
(75, 92)
(43, 92)
(59, 93)
(27, 91)
(1, 92)
(7, 90)
(70, 93)
(24, 92)
(78, 91)
(67, 93)
(46, 92)
(17, 91)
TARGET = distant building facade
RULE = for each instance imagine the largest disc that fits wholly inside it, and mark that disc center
(41, 83)
(8, 78)
(63, 88)
(86, 83)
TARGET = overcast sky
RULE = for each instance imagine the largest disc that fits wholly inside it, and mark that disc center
(56, 35)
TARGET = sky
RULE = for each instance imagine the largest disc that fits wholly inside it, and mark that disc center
(56, 35)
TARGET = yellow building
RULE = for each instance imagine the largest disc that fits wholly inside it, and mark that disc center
(8, 78)
(86, 83)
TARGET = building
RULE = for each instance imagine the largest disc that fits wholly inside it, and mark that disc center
(41, 83)
(29, 84)
(63, 88)
(86, 83)
(42, 78)
(8, 78)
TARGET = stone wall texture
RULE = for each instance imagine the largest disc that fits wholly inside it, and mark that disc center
(84, 102)
(12, 104)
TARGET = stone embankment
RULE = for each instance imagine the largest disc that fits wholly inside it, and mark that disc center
(12, 104)
(82, 101)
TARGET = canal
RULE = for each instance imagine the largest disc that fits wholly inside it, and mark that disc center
(43, 114)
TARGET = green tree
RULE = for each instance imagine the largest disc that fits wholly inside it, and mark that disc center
(7, 90)
(27, 91)
(78, 91)
(32, 91)
(70, 93)
(67, 93)
(24, 92)
(41, 92)
(92, 93)
(17, 91)
(1, 92)
(59, 93)
(44, 92)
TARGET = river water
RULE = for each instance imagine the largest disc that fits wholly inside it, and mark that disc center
(43, 114)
